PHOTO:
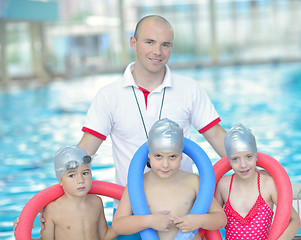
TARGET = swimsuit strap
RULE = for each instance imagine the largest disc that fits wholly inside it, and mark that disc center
(258, 183)
(230, 186)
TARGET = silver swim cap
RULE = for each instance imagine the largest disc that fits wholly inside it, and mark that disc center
(240, 139)
(69, 158)
(165, 136)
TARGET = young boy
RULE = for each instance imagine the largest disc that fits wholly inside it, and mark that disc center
(170, 192)
(248, 196)
(77, 214)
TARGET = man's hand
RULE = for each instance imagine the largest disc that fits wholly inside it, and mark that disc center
(42, 220)
(15, 224)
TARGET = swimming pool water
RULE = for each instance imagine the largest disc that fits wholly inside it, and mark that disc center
(36, 122)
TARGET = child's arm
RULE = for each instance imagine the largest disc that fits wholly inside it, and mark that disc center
(294, 222)
(105, 232)
(222, 190)
(293, 225)
(110, 234)
(213, 220)
(47, 233)
(292, 228)
(125, 223)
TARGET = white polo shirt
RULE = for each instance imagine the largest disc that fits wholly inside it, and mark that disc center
(115, 112)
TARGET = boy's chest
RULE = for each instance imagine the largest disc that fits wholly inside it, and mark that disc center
(176, 199)
(77, 224)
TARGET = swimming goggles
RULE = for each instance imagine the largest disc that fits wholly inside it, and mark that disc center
(73, 165)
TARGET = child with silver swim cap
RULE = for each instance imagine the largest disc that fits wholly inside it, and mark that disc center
(69, 158)
(170, 192)
(240, 139)
(255, 189)
(165, 136)
(73, 171)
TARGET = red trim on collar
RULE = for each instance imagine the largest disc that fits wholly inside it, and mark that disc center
(145, 93)
(210, 125)
(94, 133)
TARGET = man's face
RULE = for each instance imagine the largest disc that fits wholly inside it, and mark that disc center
(152, 46)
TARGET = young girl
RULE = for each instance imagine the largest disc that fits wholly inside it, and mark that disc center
(248, 196)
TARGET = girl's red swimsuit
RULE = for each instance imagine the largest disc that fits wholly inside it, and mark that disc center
(256, 224)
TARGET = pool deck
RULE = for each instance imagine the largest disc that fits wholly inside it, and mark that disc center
(297, 202)
(297, 197)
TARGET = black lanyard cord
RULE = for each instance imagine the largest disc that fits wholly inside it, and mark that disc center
(141, 116)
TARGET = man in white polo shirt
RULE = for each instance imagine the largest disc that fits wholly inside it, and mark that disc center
(122, 110)
(148, 91)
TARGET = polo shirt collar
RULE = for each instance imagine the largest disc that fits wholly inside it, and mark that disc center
(129, 81)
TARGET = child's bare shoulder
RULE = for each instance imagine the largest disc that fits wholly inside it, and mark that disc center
(188, 175)
(263, 172)
(267, 186)
(266, 178)
(186, 179)
(54, 207)
(225, 180)
(223, 184)
(94, 200)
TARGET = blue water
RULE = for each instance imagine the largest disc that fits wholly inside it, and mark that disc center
(36, 122)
